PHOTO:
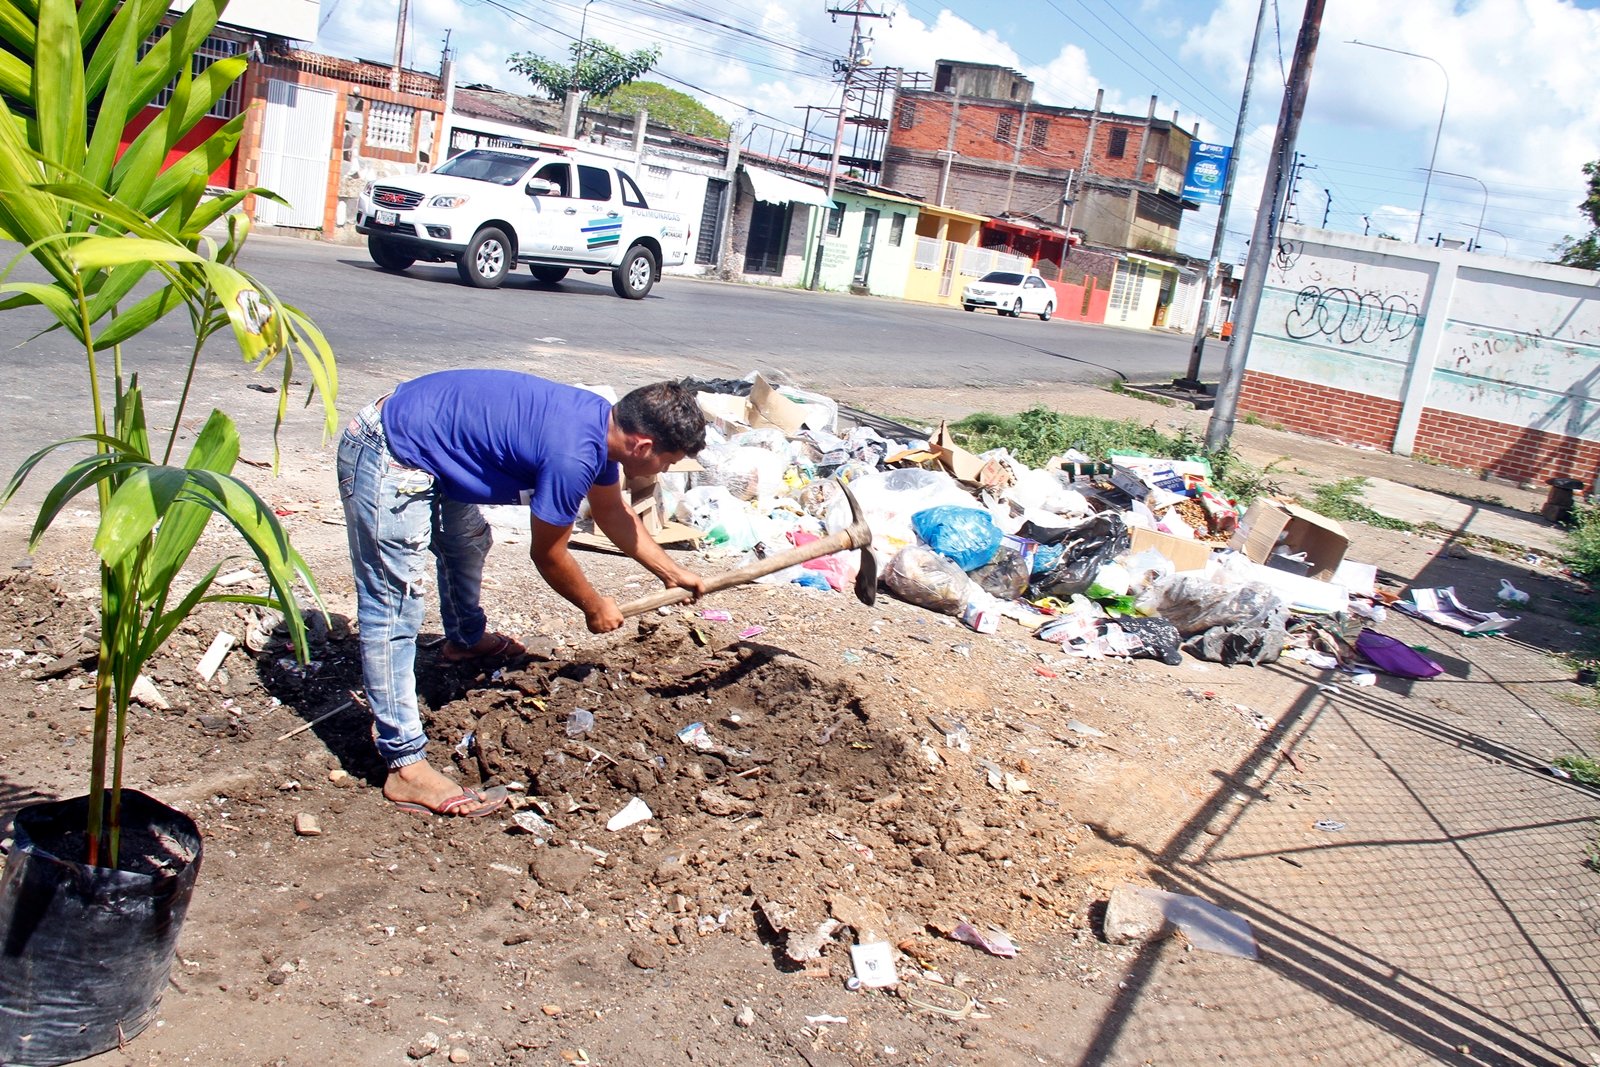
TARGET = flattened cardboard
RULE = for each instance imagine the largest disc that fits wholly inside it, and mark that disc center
(764, 407)
(1322, 539)
(1185, 553)
(642, 498)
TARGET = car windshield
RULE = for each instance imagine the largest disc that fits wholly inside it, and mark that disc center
(501, 168)
(1000, 277)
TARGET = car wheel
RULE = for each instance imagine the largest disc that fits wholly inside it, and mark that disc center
(635, 275)
(969, 307)
(386, 254)
(549, 275)
(1016, 309)
(1044, 316)
(487, 259)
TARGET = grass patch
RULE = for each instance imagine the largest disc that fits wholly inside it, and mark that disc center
(1584, 770)
(1341, 500)
(1037, 435)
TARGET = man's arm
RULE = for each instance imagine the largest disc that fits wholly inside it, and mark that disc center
(619, 522)
(553, 558)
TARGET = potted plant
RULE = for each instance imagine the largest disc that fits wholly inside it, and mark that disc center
(95, 888)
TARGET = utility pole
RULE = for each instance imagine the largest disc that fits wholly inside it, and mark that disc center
(1208, 302)
(1263, 238)
(399, 45)
(860, 55)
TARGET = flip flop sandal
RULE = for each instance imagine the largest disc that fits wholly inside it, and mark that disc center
(503, 648)
(460, 805)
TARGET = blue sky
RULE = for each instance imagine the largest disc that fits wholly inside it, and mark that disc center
(1521, 118)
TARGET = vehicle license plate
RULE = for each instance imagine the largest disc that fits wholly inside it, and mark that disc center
(387, 218)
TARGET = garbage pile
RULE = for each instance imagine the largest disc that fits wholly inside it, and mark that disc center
(1120, 555)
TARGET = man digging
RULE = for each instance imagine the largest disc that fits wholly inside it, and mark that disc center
(413, 468)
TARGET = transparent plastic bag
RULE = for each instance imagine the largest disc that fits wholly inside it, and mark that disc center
(922, 577)
(1195, 603)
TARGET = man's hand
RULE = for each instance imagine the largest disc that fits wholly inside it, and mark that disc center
(605, 617)
(687, 579)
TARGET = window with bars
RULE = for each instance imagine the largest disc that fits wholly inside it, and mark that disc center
(1041, 132)
(906, 114)
(1002, 127)
(389, 125)
(897, 229)
(210, 50)
(1119, 144)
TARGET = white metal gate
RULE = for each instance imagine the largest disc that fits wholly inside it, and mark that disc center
(296, 144)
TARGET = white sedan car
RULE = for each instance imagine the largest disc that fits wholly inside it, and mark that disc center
(1011, 293)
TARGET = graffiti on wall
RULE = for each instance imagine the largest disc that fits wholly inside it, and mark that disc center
(1349, 316)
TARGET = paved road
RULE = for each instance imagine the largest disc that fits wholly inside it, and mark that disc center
(386, 328)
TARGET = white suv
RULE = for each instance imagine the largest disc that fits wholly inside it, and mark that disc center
(555, 209)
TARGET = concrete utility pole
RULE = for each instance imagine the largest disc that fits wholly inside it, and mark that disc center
(858, 57)
(1208, 302)
(1264, 236)
(399, 45)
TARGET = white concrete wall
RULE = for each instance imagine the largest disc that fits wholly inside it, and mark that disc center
(1479, 336)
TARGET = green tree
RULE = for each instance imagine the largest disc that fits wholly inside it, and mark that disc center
(669, 107)
(597, 68)
(1585, 251)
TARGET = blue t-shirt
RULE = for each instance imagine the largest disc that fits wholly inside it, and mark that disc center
(494, 436)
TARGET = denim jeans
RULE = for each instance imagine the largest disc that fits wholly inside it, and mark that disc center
(393, 516)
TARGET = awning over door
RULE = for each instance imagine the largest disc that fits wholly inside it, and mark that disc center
(772, 188)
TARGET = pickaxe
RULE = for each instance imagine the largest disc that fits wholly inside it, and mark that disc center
(856, 535)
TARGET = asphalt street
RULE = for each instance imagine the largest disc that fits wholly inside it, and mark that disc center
(385, 328)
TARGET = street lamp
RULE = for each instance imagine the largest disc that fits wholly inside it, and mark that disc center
(1437, 133)
(1478, 238)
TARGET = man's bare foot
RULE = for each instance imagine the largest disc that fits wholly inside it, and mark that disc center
(420, 787)
(491, 646)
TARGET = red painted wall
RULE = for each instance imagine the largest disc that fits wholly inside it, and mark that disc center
(225, 175)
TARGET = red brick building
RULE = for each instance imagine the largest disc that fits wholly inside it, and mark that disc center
(977, 142)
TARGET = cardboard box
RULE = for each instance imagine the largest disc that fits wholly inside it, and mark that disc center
(642, 498)
(1185, 553)
(962, 465)
(1320, 538)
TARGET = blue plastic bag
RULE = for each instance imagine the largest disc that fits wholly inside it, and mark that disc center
(966, 535)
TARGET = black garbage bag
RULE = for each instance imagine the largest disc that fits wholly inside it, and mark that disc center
(1158, 639)
(1005, 576)
(1085, 549)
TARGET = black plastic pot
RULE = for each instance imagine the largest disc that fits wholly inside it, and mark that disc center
(85, 951)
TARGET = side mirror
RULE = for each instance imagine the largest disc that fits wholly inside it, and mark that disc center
(540, 187)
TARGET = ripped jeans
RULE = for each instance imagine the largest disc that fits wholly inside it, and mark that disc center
(394, 515)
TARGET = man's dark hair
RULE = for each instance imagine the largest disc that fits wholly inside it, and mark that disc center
(665, 412)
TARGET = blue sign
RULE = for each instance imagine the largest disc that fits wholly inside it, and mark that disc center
(1208, 172)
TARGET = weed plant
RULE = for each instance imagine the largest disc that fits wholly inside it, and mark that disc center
(1340, 500)
(1582, 542)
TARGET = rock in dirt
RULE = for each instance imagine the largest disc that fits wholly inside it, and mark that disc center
(560, 870)
(647, 956)
(746, 1017)
(460, 1055)
(306, 825)
(424, 1046)
(716, 801)
(1132, 918)
(868, 918)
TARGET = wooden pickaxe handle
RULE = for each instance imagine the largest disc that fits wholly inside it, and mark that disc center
(857, 535)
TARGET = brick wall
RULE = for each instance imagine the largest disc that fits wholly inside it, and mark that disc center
(1321, 410)
(1063, 135)
(1498, 448)
(1504, 450)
